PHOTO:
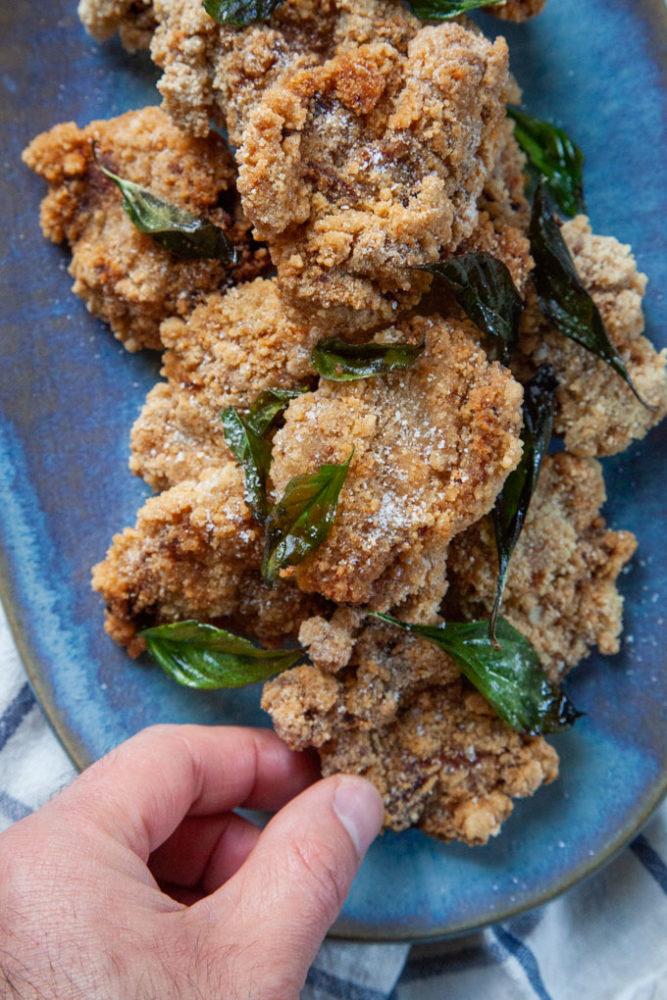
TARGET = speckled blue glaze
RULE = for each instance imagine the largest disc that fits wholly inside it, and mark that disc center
(69, 394)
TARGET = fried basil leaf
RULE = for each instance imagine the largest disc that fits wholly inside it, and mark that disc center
(551, 151)
(205, 657)
(444, 10)
(342, 362)
(561, 295)
(177, 230)
(511, 678)
(240, 13)
(302, 519)
(253, 453)
(247, 441)
(483, 287)
(511, 508)
(269, 405)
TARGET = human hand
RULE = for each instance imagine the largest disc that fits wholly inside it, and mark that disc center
(138, 882)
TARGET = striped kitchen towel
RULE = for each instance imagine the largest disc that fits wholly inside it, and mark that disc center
(603, 940)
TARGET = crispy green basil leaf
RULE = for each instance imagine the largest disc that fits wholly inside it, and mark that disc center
(247, 441)
(551, 151)
(342, 362)
(302, 519)
(253, 453)
(240, 13)
(511, 508)
(561, 294)
(269, 405)
(511, 678)
(444, 10)
(177, 230)
(202, 656)
(483, 287)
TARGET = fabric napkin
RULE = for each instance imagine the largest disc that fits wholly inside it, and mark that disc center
(603, 940)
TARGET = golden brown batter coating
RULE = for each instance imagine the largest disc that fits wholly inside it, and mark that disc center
(597, 412)
(393, 708)
(561, 586)
(447, 765)
(230, 348)
(503, 211)
(433, 445)
(359, 168)
(133, 19)
(123, 275)
(220, 73)
(194, 553)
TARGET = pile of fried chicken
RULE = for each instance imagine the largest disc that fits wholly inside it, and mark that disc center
(365, 143)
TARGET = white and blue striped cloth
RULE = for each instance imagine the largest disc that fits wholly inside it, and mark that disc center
(604, 940)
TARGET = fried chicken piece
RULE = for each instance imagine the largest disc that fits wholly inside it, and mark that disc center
(393, 708)
(230, 348)
(432, 447)
(133, 19)
(503, 211)
(561, 585)
(447, 765)
(356, 169)
(123, 275)
(212, 72)
(195, 553)
(516, 10)
(597, 412)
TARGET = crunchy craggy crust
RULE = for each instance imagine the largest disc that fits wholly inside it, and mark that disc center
(195, 553)
(432, 447)
(123, 275)
(561, 586)
(447, 765)
(394, 709)
(220, 73)
(230, 348)
(359, 168)
(503, 211)
(133, 19)
(597, 412)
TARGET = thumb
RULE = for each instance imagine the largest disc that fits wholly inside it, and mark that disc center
(294, 883)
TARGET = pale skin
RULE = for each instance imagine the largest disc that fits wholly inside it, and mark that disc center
(140, 881)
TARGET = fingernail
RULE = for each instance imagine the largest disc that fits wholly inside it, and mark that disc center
(359, 807)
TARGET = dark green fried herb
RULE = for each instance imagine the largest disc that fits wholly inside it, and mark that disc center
(302, 519)
(342, 362)
(240, 13)
(510, 678)
(253, 453)
(444, 10)
(561, 294)
(202, 656)
(483, 287)
(247, 441)
(177, 230)
(551, 151)
(269, 405)
(509, 513)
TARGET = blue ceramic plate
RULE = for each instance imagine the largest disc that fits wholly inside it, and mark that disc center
(70, 393)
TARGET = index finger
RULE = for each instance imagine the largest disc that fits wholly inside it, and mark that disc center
(141, 791)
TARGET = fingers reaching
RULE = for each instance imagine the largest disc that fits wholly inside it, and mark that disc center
(204, 851)
(140, 792)
(299, 872)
